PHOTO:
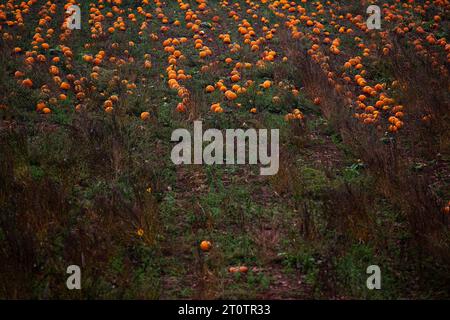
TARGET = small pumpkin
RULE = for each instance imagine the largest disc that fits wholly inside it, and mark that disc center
(108, 104)
(145, 115)
(65, 86)
(205, 245)
(27, 83)
(266, 84)
(235, 78)
(181, 107)
(41, 106)
(109, 110)
(230, 95)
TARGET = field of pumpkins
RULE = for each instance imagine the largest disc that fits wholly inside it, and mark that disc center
(86, 176)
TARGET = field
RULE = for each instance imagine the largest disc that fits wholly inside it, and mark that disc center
(87, 179)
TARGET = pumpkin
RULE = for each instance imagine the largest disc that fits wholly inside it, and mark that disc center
(230, 95)
(54, 70)
(109, 110)
(243, 269)
(240, 269)
(215, 107)
(80, 95)
(18, 74)
(27, 83)
(266, 84)
(107, 104)
(87, 58)
(29, 60)
(41, 106)
(181, 107)
(235, 78)
(65, 86)
(205, 245)
(236, 88)
(145, 115)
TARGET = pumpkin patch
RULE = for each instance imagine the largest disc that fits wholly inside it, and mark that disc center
(88, 121)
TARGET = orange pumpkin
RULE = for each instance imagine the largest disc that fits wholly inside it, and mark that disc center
(107, 104)
(18, 74)
(230, 95)
(215, 107)
(109, 110)
(243, 269)
(145, 115)
(181, 107)
(266, 84)
(41, 106)
(27, 83)
(205, 245)
(65, 86)
(54, 70)
(235, 78)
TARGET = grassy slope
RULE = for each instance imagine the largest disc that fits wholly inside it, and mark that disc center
(74, 188)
